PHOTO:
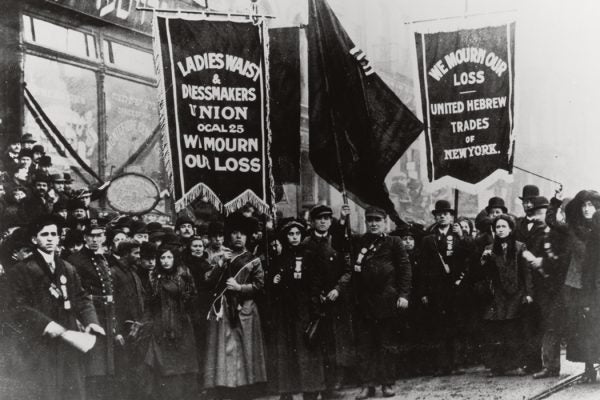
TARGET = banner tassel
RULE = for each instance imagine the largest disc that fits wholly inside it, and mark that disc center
(200, 190)
(247, 197)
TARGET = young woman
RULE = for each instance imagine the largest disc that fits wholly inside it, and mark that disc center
(505, 266)
(171, 353)
(196, 259)
(294, 367)
(573, 243)
(235, 357)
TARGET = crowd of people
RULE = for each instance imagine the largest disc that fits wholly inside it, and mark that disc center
(236, 309)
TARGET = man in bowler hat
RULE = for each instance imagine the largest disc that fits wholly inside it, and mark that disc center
(441, 270)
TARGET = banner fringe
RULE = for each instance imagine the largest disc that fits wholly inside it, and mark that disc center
(199, 190)
(269, 136)
(247, 197)
(162, 106)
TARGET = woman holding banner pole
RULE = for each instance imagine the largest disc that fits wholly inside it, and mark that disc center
(235, 356)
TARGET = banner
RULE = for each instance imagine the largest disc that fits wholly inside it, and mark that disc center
(284, 74)
(359, 128)
(214, 111)
(467, 95)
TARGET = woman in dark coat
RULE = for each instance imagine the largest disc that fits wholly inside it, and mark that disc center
(294, 367)
(171, 352)
(505, 266)
(579, 290)
(196, 259)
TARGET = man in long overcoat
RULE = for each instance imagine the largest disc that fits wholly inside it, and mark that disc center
(129, 311)
(530, 230)
(382, 280)
(96, 277)
(331, 281)
(49, 299)
(442, 264)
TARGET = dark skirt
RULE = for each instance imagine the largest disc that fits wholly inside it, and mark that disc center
(505, 344)
(582, 330)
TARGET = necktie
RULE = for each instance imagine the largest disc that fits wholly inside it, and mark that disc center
(51, 266)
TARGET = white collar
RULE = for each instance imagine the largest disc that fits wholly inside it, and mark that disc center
(321, 235)
(443, 231)
(49, 258)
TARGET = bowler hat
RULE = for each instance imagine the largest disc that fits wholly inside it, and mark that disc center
(26, 153)
(496, 202)
(530, 191)
(375, 212)
(58, 178)
(154, 227)
(442, 206)
(68, 178)
(38, 148)
(320, 210)
(41, 177)
(138, 227)
(540, 202)
(27, 138)
(45, 161)
(75, 204)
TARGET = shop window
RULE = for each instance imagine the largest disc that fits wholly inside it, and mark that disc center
(59, 38)
(131, 118)
(128, 58)
(68, 95)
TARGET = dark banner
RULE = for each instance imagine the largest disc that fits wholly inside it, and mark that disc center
(467, 93)
(284, 56)
(214, 111)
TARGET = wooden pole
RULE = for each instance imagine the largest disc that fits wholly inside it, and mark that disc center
(456, 196)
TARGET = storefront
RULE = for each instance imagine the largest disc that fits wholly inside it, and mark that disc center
(90, 66)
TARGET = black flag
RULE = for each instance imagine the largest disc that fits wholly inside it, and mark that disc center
(285, 104)
(351, 105)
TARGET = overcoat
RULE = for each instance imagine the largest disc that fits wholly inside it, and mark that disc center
(294, 366)
(385, 275)
(168, 309)
(510, 283)
(54, 367)
(332, 272)
(96, 278)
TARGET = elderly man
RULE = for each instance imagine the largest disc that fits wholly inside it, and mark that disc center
(50, 299)
(382, 277)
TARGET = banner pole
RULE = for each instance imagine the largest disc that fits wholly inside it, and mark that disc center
(456, 197)
(203, 12)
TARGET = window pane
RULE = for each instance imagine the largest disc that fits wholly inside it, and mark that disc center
(76, 43)
(128, 58)
(58, 38)
(50, 35)
(27, 32)
(68, 95)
